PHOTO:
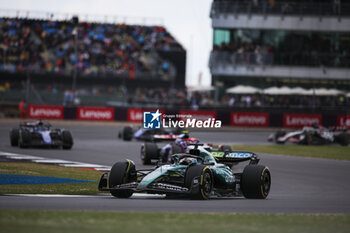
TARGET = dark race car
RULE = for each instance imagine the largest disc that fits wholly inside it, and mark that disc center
(163, 134)
(40, 134)
(151, 152)
(315, 135)
(199, 174)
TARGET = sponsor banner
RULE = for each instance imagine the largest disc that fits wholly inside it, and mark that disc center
(198, 115)
(344, 120)
(300, 120)
(249, 119)
(95, 113)
(45, 112)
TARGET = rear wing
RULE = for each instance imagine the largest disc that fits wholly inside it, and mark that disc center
(234, 156)
(165, 137)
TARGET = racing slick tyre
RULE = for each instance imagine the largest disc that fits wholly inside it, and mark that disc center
(67, 140)
(14, 136)
(279, 133)
(255, 181)
(127, 133)
(204, 177)
(313, 139)
(342, 139)
(121, 173)
(149, 151)
(225, 148)
(24, 139)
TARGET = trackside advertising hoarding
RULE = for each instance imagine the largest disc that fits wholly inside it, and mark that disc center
(250, 119)
(95, 113)
(300, 120)
(344, 120)
(45, 112)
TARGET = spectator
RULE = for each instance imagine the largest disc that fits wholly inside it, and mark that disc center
(23, 107)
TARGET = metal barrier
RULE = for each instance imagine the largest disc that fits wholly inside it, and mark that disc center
(280, 8)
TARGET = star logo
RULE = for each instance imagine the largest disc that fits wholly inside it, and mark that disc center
(156, 115)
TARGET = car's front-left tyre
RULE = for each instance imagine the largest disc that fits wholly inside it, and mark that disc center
(14, 137)
(24, 139)
(199, 179)
(121, 173)
(127, 133)
(256, 181)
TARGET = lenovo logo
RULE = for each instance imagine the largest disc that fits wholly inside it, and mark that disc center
(249, 119)
(344, 121)
(90, 113)
(300, 120)
(45, 112)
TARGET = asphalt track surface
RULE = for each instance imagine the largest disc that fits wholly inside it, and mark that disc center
(299, 185)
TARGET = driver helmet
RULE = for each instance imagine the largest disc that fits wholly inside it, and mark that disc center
(183, 136)
(315, 125)
(187, 161)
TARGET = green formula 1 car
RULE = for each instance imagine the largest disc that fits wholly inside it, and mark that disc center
(200, 174)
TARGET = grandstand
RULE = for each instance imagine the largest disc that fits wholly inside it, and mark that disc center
(303, 44)
(45, 56)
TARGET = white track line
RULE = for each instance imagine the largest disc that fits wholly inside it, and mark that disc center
(138, 195)
(58, 162)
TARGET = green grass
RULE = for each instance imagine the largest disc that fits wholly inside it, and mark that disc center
(33, 169)
(327, 152)
(92, 221)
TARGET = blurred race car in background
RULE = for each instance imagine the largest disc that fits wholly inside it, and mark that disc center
(199, 174)
(151, 152)
(128, 133)
(315, 135)
(40, 134)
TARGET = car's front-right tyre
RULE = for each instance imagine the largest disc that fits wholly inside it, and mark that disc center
(149, 151)
(121, 173)
(67, 140)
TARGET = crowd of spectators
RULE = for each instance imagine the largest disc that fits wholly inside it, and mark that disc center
(177, 97)
(292, 7)
(246, 53)
(49, 46)
(285, 101)
(206, 99)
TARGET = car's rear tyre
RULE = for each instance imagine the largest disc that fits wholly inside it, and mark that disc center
(67, 140)
(121, 173)
(342, 139)
(225, 148)
(204, 176)
(127, 133)
(256, 181)
(149, 151)
(314, 139)
(14, 137)
(24, 139)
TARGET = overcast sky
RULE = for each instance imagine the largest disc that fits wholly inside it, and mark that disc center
(187, 20)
